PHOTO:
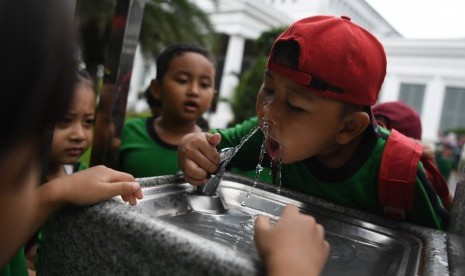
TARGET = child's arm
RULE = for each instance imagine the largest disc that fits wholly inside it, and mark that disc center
(89, 187)
(82, 188)
(197, 156)
(294, 246)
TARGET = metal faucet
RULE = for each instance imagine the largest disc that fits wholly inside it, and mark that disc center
(211, 186)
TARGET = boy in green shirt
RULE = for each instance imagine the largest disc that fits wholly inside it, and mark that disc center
(184, 88)
(323, 75)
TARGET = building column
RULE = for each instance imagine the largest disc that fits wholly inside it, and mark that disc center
(136, 79)
(432, 109)
(390, 90)
(230, 79)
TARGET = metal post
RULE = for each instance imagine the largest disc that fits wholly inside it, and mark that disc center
(111, 110)
(456, 237)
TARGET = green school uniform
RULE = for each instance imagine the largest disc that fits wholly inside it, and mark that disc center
(16, 267)
(143, 153)
(354, 185)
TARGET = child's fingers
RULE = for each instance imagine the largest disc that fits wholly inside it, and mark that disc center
(194, 181)
(262, 230)
(290, 210)
(262, 224)
(117, 176)
(202, 156)
(208, 160)
(124, 189)
(205, 156)
(138, 194)
(132, 200)
(213, 139)
(195, 170)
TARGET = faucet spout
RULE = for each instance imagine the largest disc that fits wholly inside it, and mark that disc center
(212, 184)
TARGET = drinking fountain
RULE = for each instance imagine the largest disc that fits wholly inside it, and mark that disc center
(177, 230)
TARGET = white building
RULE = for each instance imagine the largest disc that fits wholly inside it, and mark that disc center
(429, 75)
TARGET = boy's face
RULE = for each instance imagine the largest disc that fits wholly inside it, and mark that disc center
(187, 88)
(73, 135)
(301, 124)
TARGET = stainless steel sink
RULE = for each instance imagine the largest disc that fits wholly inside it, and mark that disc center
(357, 247)
(176, 231)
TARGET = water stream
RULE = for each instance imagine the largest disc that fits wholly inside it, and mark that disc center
(276, 165)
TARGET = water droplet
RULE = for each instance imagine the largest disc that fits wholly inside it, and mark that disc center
(243, 203)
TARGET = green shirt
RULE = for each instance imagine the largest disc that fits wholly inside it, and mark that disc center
(16, 267)
(143, 153)
(354, 185)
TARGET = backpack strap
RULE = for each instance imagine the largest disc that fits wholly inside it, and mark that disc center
(438, 181)
(397, 174)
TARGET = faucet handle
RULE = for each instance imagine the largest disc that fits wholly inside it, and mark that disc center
(212, 184)
(226, 154)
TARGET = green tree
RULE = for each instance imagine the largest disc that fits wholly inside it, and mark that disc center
(172, 22)
(245, 94)
(165, 22)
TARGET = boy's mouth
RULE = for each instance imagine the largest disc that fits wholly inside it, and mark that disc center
(191, 105)
(272, 147)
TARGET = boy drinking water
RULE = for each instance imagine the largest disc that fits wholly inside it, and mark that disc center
(323, 75)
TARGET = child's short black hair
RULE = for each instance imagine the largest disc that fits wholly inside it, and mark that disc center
(287, 53)
(165, 58)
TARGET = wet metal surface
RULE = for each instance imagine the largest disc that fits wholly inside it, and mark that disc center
(175, 230)
(357, 248)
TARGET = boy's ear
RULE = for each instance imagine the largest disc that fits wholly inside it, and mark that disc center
(155, 89)
(353, 125)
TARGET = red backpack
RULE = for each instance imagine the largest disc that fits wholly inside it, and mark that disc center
(398, 173)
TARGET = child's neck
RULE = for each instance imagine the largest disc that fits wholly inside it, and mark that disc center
(340, 154)
(55, 170)
(172, 131)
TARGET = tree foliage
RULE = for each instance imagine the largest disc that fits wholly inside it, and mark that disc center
(165, 22)
(245, 94)
(173, 22)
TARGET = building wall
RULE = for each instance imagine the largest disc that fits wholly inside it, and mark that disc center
(436, 64)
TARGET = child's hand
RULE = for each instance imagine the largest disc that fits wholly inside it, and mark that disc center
(197, 156)
(97, 184)
(295, 245)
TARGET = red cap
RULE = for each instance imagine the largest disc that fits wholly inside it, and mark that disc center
(401, 117)
(340, 59)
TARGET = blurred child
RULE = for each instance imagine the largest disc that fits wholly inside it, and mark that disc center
(323, 75)
(35, 91)
(185, 86)
(397, 115)
(445, 159)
